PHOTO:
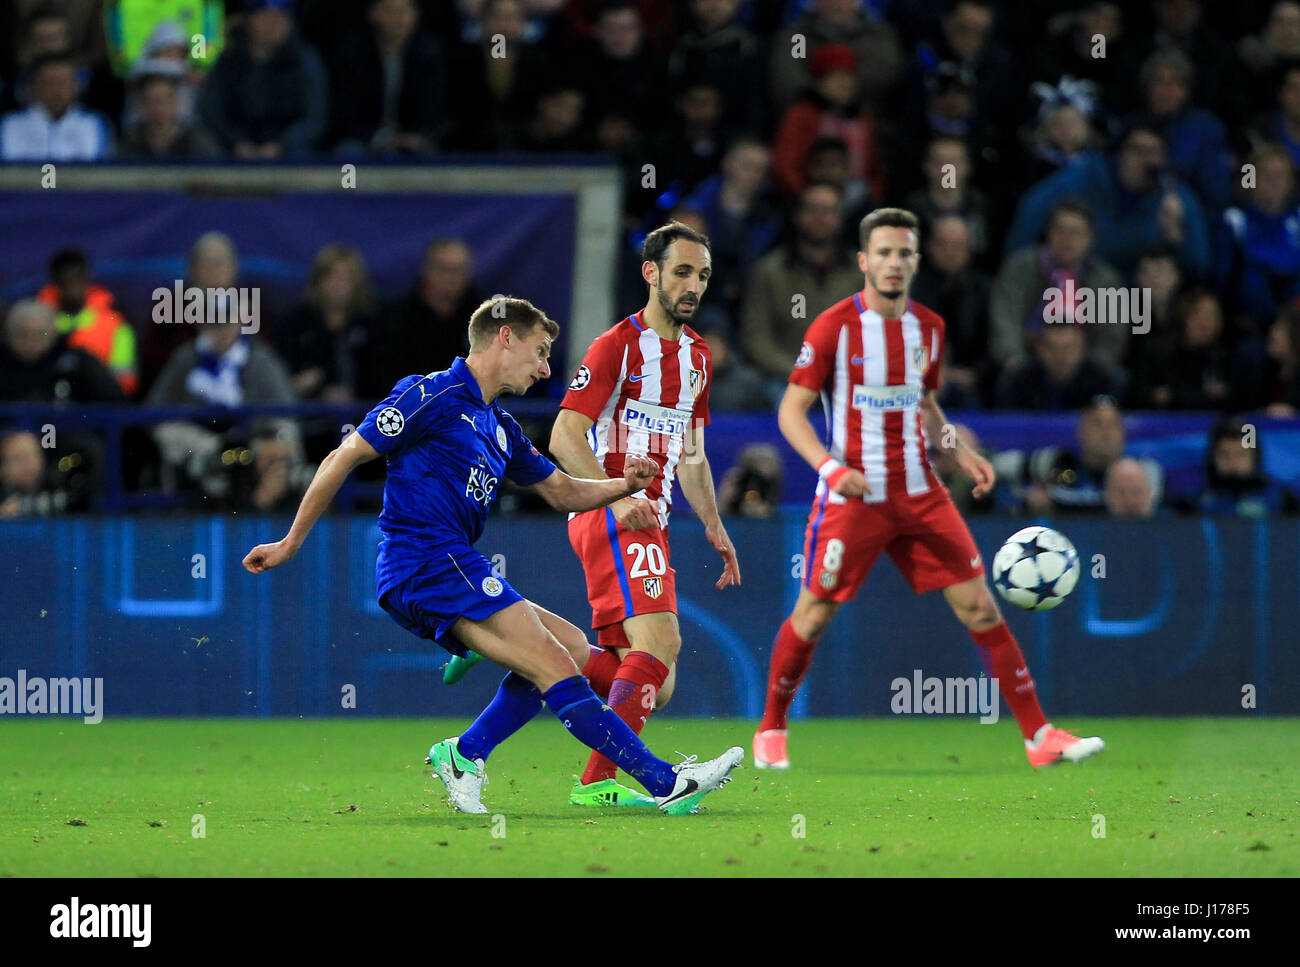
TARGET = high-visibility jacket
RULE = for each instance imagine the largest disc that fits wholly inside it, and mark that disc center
(100, 330)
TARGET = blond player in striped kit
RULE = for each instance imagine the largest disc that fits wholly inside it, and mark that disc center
(873, 358)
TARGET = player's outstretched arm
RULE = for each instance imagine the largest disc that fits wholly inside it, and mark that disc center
(792, 418)
(577, 494)
(331, 473)
(570, 448)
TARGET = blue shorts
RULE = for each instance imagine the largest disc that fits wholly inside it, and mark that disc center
(455, 584)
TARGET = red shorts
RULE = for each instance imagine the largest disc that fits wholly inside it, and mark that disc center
(925, 535)
(628, 572)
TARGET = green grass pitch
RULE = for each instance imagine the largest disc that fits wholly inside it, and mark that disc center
(1209, 797)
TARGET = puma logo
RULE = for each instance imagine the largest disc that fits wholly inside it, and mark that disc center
(464, 416)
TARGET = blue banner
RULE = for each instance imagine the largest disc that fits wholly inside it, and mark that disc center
(1171, 617)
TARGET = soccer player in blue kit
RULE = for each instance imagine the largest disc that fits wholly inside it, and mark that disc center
(448, 443)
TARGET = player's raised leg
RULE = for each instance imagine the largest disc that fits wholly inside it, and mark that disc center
(515, 637)
(975, 607)
(792, 653)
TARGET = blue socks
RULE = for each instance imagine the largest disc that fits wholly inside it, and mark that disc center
(599, 727)
(515, 704)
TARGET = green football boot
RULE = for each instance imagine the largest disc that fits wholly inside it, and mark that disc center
(607, 792)
(458, 667)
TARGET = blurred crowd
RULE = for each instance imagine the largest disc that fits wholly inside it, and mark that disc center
(1053, 151)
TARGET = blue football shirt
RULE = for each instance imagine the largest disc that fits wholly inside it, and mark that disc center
(446, 451)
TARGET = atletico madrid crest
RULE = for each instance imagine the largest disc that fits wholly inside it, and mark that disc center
(697, 380)
(654, 587)
(921, 356)
(829, 579)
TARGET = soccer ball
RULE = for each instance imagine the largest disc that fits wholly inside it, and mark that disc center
(1036, 568)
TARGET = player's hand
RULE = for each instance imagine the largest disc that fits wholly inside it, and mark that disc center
(851, 484)
(266, 556)
(635, 513)
(978, 469)
(717, 535)
(639, 472)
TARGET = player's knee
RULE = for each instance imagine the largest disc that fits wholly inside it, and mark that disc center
(978, 612)
(811, 620)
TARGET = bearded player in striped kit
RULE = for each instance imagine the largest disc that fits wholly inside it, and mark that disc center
(873, 358)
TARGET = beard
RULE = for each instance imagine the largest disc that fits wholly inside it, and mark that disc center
(671, 308)
(890, 290)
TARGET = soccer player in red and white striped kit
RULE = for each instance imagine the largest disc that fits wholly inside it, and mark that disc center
(873, 358)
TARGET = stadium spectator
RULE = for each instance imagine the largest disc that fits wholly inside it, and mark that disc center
(1257, 268)
(557, 121)
(267, 96)
(688, 150)
(222, 367)
(742, 224)
(830, 107)
(131, 28)
(392, 100)
(1271, 380)
(1063, 479)
(718, 51)
(1180, 26)
(622, 77)
(55, 127)
(1134, 204)
(496, 79)
(966, 38)
(1265, 55)
(28, 486)
(873, 41)
(1056, 273)
(1196, 140)
(1235, 483)
(949, 190)
(213, 264)
(1058, 376)
(828, 163)
(1127, 492)
(427, 324)
(1281, 123)
(84, 312)
(658, 19)
(735, 385)
(1189, 368)
(1159, 273)
(167, 54)
(1074, 44)
(325, 339)
(161, 131)
(794, 284)
(952, 286)
(38, 366)
(1062, 131)
(752, 487)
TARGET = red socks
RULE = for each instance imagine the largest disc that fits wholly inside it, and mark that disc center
(600, 670)
(791, 656)
(998, 644)
(631, 696)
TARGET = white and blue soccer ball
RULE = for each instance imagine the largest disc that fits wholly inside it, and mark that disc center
(1036, 568)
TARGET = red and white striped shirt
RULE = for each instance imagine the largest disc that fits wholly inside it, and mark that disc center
(872, 373)
(642, 394)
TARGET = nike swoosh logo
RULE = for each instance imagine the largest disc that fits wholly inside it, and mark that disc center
(975, 561)
(859, 360)
(452, 760)
(691, 786)
(637, 379)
